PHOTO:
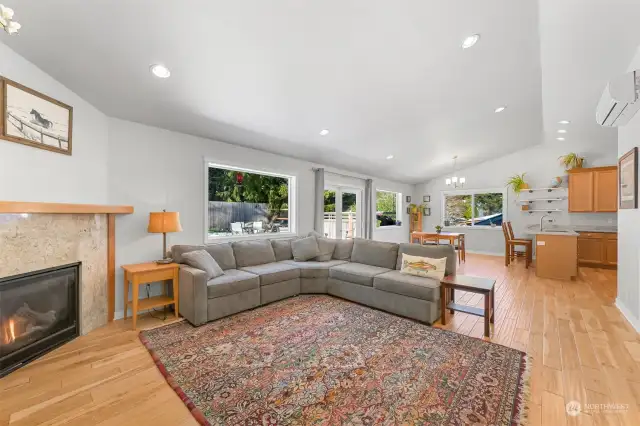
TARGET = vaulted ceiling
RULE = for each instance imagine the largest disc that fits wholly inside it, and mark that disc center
(384, 77)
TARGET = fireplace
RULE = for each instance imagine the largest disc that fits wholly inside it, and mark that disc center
(38, 312)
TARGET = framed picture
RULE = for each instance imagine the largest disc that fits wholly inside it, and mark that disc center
(426, 199)
(426, 211)
(408, 210)
(628, 179)
(408, 198)
(34, 119)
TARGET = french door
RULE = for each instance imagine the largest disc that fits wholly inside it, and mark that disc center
(342, 212)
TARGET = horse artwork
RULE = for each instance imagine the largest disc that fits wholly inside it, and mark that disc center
(34, 119)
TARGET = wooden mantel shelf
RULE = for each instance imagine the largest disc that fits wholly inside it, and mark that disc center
(61, 208)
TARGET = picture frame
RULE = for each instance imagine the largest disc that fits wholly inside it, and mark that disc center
(408, 198)
(426, 211)
(34, 119)
(426, 199)
(408, 210)
(628, 180)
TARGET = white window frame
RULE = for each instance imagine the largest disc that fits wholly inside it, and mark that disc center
(292, 204)
(339, 190)
(473, 193)
(399, 215)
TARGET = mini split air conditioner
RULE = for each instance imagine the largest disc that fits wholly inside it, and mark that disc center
(620, 100)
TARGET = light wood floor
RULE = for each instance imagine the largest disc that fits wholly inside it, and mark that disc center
(582, 350)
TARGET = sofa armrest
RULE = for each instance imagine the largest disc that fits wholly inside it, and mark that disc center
(193, 295)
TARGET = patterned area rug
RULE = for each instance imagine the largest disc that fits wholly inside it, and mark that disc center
(325, 361)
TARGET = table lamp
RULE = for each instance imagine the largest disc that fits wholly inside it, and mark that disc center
(161, 223)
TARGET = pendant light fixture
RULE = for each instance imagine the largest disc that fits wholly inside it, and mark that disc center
(454, 180)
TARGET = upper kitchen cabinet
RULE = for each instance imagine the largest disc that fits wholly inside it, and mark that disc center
(593, 190)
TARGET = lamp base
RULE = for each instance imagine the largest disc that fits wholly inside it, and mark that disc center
(164, 261)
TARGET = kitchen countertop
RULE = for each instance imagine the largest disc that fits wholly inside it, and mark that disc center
(570, 231)
(590, 228)
(565, 233)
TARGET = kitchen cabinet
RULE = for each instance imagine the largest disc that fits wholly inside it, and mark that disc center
(593, 190)
(597, 249)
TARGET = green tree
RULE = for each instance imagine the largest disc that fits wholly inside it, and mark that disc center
(386, 202)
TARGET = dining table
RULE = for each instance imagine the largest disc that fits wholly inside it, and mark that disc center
(436, 237)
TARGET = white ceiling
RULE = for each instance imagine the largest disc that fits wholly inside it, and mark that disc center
(385, 77)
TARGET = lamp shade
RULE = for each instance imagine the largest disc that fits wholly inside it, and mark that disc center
(161, 222)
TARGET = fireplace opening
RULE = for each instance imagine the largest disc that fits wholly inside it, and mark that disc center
(39, 311)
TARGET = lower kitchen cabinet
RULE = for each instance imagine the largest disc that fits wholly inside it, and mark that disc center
(597, 249)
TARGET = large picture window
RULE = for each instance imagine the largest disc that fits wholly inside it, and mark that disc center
(247, 203)
(473, 208)
(387, 208)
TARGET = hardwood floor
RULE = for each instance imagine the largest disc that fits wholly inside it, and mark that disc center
(581, 346)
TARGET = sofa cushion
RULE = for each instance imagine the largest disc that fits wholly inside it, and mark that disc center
(201, 259)
(433, 251)
(375, 253)
(357, 273)
(282, 249)
(408, 285)
(305, 249)
(271, 273)
(326, 247)
(222, 254)
(313, 269)
(232, 282)
(250, 253)
(343, 249)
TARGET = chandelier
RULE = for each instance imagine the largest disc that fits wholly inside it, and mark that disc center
(6, 21)
(454, 180)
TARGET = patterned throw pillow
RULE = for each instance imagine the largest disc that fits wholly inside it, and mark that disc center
(423, 266)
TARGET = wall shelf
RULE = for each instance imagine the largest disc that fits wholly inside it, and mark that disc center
(531, 190)
(543, 210)
(549, 200)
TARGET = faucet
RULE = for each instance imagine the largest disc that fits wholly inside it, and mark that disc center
(541, 219)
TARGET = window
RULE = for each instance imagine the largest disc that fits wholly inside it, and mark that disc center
(247, 203)
(387, 204)
(473, 208)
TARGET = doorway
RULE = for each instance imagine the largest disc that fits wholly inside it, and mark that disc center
(342, 212)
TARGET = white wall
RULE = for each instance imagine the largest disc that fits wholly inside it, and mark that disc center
(629, 232)
(540, 163)
(154, 169)
(31, 174)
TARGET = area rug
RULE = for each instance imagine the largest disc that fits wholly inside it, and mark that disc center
(319, 360)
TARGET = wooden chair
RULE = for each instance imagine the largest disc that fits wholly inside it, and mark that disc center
(510, 244)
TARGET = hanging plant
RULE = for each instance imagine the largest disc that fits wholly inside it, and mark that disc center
(517, 183)
(571, 161)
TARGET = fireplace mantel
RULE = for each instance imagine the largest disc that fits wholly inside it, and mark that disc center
(61, 208)
(22, 207)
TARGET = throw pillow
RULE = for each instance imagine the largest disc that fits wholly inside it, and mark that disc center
(423, 266)
(343, 249)
(326, 247)
(201, 259)
(314, 234)
(305, 249)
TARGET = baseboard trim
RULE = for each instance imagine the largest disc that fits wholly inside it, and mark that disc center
(486, 253)
(635, 322)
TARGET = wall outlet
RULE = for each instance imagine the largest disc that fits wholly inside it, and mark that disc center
(610, 221)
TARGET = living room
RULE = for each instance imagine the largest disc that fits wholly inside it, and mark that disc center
(161, 139)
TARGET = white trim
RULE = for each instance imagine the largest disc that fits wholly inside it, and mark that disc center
(292, 203)
(472, 228)
(635, 322)
(486, 253)
(473, 192)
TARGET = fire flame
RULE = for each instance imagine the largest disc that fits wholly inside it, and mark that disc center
(10, 333)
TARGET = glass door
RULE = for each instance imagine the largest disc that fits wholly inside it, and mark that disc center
(342, 217)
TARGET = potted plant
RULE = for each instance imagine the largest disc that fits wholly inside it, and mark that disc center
(517, 183)
(571, 161)
(438, 229)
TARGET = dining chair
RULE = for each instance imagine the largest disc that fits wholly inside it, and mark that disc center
(510, 244)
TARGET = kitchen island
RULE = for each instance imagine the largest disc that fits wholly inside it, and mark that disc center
(556, 253)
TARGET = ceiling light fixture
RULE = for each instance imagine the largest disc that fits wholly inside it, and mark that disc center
(564, 122)
(324, 132)
(500, 109)
(389, 157)
(562, 131)
(160, 71)
(454, 180)
(560, 139)
(6, 20)
(470, 41)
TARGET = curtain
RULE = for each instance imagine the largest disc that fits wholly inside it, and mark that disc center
(368, 213)
(318, 211)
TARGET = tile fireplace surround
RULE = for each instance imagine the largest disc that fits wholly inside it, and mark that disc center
(36, 236)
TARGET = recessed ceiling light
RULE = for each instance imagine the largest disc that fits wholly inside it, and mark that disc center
(562, 131)
(324, 132)
(500, 109)
(470, 41)
(560, 139)
(389, 157)
(160, 71)
(564, 122)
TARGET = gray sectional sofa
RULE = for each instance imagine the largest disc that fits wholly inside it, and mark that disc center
(263, 271)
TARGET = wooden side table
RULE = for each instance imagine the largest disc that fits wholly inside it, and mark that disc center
(144, 273)
(484, 286)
